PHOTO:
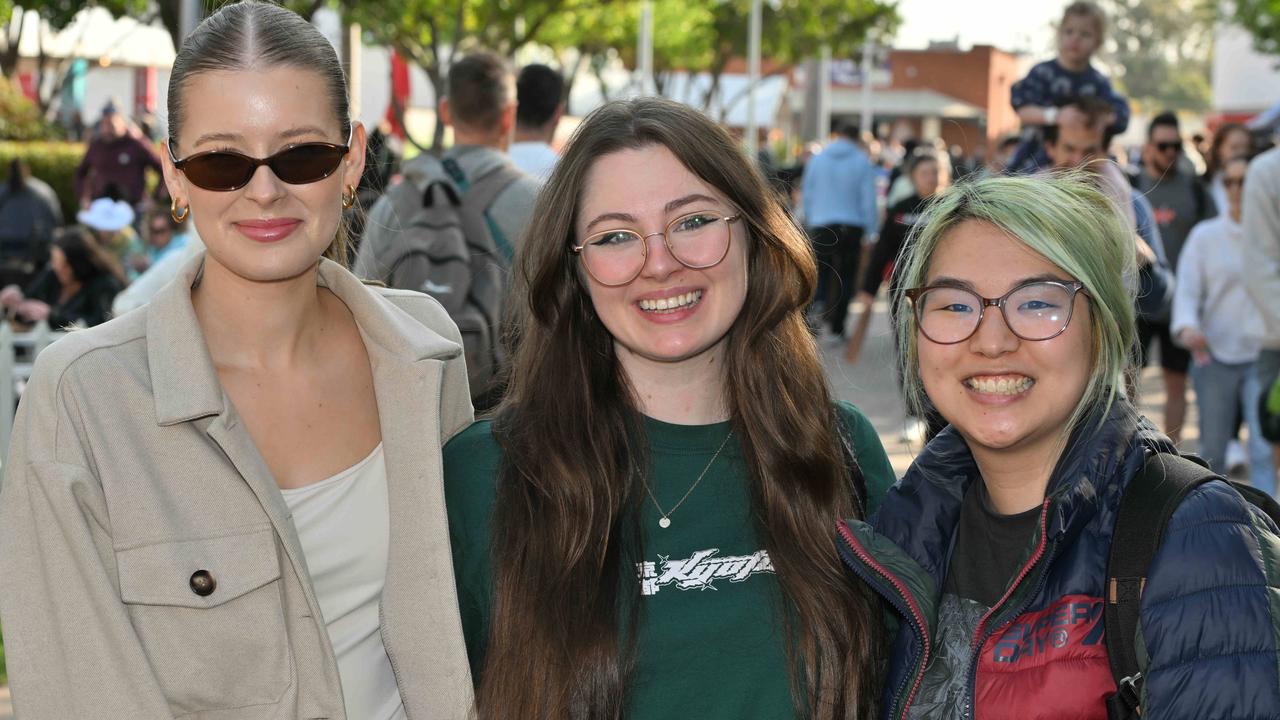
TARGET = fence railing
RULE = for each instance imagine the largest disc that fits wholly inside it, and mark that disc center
(18, 351)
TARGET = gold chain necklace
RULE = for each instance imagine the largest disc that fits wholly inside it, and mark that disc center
(665, 520)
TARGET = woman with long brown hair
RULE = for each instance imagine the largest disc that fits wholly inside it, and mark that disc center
(1230, 141)
(641, 530)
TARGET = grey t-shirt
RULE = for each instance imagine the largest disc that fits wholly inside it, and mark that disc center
(1180, 201)
(990, 548)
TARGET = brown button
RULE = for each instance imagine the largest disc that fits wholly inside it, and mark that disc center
(202, 583)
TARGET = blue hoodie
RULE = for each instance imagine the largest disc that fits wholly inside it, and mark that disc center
(839, 188)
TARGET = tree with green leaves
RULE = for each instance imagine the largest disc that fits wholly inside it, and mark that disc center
(1161, 51)
(57, 15)
(705, 36)
(1262, 19)
(431, 33)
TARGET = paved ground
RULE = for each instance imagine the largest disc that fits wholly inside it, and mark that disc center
(871, 385)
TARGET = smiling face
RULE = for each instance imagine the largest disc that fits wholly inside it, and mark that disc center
(669, 313)
(268, 230)
(1004, 394)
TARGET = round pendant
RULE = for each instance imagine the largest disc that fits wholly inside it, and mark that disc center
(664, 522)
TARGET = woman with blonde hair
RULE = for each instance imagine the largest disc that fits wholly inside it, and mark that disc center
(993, 548)
(228, 503)
(639, 531)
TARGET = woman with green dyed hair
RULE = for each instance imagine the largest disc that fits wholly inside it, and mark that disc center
(1018, 324)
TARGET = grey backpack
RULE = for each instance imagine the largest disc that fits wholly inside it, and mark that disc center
(431, 233)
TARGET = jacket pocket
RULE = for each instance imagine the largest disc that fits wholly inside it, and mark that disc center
(210, 617)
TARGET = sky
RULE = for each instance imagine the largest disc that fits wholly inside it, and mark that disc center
(1006, 24)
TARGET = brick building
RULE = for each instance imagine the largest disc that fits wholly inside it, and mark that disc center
(961, 96)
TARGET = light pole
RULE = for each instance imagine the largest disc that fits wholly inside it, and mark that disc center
(753, 78)
(188, 17)
(823, 81)
(868, 118)
(644, 54)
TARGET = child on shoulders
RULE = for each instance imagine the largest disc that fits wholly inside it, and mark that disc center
(1038, 97)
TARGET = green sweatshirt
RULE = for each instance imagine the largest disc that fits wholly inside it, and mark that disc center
(709, 641)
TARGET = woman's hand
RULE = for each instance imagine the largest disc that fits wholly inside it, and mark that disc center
(1192, 339)
(11, 296)
(1070, 115)
(33, 311)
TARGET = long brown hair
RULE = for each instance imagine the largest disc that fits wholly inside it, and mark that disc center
(566, 536)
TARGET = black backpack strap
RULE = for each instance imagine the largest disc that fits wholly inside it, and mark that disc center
(1150, 500)
(860, 499)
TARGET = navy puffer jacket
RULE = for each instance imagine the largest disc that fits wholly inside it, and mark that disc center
(1209, 610)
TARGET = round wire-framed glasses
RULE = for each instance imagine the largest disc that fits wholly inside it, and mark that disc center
(698, 241)
(1035, 310)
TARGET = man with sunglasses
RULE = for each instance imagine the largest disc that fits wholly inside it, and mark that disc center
(1180, 201)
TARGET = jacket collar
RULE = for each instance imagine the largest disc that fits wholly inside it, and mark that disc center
(921, 512)
(184, 381)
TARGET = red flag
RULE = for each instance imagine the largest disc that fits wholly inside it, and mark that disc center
(400, 89)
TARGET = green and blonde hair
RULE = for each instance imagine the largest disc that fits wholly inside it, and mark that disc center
(1066, 220)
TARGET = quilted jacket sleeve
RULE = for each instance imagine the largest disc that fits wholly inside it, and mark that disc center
(1210, 612)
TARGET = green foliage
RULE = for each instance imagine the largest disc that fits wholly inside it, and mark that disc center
(52, 162)
(695, 35)
(1262, 19)
(1161, 51)
(59, 13)
(704, 35)
(4, 676)
(20, 119)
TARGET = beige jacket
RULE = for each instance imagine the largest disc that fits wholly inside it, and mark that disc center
(131, 482)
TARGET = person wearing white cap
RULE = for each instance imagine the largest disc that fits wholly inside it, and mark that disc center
(112, 222)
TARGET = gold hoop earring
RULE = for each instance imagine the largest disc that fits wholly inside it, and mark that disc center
(349, 197)
(173, 212)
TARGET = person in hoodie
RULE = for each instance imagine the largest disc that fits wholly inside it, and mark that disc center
(838, 198)
(992, 549)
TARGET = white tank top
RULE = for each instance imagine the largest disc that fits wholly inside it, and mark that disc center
(344, 525)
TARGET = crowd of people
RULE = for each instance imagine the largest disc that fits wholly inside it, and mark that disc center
(1175, 188)
(82, 273)
(265, 493)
